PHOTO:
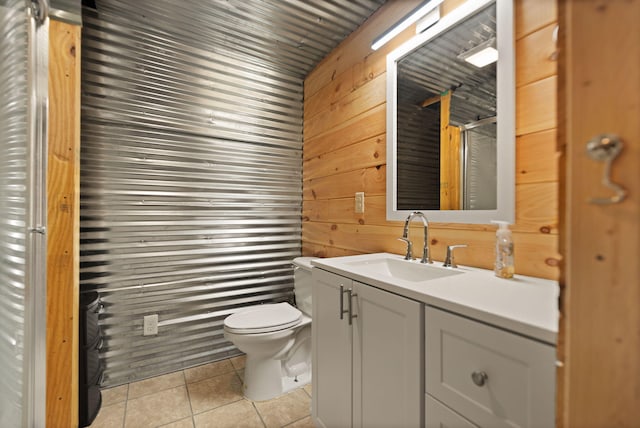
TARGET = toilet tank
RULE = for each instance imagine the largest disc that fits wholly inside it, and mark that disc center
(302, 283)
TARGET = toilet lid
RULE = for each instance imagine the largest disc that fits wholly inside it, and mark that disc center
(263, 319)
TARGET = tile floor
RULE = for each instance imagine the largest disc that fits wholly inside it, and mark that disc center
(205, 396)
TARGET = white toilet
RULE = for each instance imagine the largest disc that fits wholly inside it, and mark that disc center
(277, 340)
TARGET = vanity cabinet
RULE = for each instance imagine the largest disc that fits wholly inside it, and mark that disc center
(367, 362)
(485, 376)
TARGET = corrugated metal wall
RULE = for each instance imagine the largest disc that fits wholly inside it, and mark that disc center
(191, 165)
(418, 179)
(14, 208)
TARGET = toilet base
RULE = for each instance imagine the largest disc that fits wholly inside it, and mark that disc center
(291, 383)
(269, 379)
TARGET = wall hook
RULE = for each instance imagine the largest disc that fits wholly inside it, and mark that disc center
(605, 148)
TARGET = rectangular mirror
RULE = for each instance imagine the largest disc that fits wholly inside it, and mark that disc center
(451, 119)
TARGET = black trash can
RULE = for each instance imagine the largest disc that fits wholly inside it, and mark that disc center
(89, 364)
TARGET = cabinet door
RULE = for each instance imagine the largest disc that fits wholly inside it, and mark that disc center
(387, 358)
(331, 351)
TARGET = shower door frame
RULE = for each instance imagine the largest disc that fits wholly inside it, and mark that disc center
(34, 398)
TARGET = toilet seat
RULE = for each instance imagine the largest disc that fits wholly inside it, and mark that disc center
(263, 319)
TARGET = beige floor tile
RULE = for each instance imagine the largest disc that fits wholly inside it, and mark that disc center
(157, 409)
(110, 416)
(308, 389)
(286, 409)
(182, 423)
(205, 371)
(238, 362)
(214, 392)
(114, 395)
(238, 414)
(302, 423)
(155, 384)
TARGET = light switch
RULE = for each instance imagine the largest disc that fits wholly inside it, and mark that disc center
(359, 202)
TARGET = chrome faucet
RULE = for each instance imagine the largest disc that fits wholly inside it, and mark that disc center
(426, 254)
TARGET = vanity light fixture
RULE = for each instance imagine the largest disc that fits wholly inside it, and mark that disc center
(429, 19)
(405, 22)
(483, 54)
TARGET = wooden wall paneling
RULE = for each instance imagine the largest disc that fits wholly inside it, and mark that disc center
(537, 207)
(357, 45)
(355, 237)
(63, 190)
(353, 104)
(536, 56)
(359, 128)
(341, 210)
(363, 154)
(600, 318)
(531, 15)
(369, 180)
(536, 157)
(536, 106)
(345, 106)
(321, 250)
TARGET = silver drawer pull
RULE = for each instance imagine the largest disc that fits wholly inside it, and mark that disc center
(479, 378)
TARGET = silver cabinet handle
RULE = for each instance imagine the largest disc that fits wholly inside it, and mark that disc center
(350, 310)
(342, 311)
(479, 378)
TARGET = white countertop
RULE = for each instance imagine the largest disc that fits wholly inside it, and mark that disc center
(522, 304)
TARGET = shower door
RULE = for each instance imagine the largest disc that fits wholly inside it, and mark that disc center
(479, 165)
(22, 220)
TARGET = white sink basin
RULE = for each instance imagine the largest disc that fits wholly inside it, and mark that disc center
(398, 268)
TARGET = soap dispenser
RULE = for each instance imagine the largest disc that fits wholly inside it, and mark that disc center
(504, 267)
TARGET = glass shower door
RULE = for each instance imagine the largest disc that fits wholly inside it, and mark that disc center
(22, 238)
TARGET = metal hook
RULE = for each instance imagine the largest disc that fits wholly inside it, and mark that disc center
(605, 148)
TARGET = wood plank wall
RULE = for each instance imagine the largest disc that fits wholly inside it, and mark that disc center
(63, 224)
(345, 149)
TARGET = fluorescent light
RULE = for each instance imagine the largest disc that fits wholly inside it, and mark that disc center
(481, 55)
(485, 57)
(430, 19)
(404, 23)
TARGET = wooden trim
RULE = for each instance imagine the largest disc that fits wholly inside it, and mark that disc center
(600, 315)
(63, 224)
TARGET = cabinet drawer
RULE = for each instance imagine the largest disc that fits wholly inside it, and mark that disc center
(440, 416)
(492, 377)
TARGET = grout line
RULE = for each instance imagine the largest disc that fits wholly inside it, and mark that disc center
(297, 420)
(186, 385)
(126, 405)
(258, 413)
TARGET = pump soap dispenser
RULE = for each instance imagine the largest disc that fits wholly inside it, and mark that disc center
(504, 267)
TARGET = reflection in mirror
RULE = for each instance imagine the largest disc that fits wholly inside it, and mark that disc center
(444, 152)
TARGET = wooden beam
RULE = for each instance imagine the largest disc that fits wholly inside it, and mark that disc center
(449, 157)
(63, 224)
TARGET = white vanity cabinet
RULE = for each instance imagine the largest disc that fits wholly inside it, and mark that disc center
(485, 376)
(367, 362)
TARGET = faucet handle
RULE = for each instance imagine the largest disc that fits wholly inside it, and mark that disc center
(409, 255)
(449, 261)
